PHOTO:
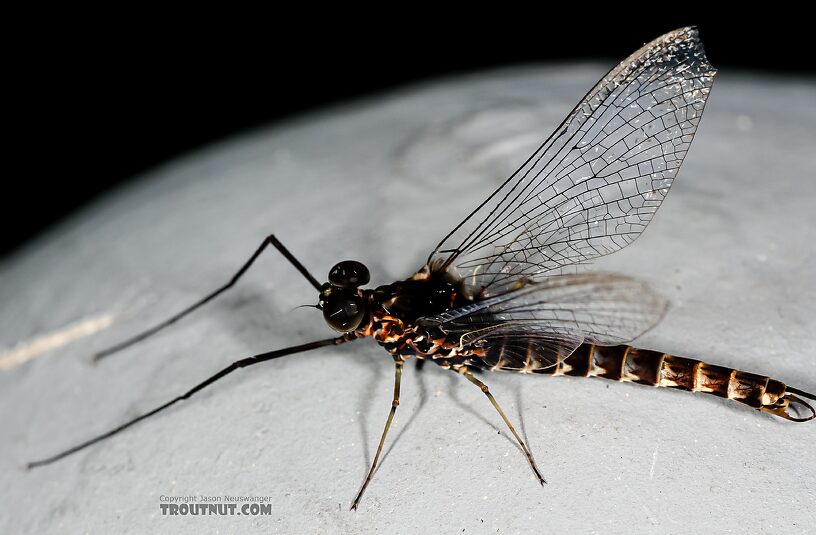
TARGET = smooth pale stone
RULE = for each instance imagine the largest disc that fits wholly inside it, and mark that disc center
(382, 180)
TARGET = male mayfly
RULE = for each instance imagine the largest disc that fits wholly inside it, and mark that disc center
(501, 292)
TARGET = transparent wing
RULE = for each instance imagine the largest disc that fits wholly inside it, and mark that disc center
(595, 184)
(550, 319)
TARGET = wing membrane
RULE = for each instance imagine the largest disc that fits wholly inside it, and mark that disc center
(551, 319)
(594, 185)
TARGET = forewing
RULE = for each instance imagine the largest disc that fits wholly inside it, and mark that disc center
(594, 185)
(550, 319)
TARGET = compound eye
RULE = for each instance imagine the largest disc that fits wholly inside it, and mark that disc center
(349, 274)
(344, 312)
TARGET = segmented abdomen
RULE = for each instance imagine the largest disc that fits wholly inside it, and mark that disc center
(626, 363)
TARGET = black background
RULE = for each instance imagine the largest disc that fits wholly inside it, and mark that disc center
(98, 98)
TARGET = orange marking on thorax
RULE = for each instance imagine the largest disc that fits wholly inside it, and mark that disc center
(390, 331)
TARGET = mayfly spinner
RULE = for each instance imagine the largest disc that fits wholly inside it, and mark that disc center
(500, 291)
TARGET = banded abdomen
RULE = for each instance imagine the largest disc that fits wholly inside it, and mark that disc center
(626, 363)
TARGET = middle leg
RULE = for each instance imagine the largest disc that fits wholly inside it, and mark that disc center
(398, 363)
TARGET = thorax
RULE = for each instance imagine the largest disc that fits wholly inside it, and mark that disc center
(394, 309)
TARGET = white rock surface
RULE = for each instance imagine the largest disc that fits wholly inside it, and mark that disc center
(380, 181)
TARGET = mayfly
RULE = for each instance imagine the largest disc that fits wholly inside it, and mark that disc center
(500, 292)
